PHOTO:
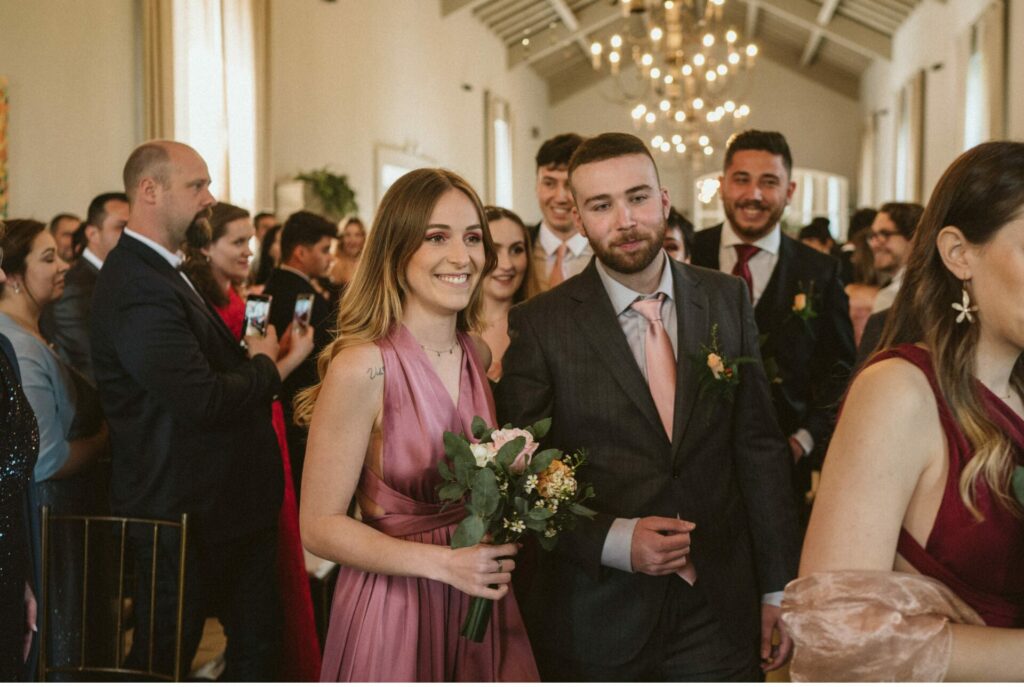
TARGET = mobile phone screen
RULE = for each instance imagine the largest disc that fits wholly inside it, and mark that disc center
(303, 309)
(257, 314)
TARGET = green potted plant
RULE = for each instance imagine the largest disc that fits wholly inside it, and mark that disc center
(332, 190)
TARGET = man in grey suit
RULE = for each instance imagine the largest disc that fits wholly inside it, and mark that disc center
(679, 575)
(66, 322)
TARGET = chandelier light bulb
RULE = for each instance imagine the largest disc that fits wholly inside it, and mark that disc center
(649, 118)
(743, 111)
(699, 59)
(641, 109)
(708, 150)
(680, 115)
(718, 3)
(730, 36)
(616, 41)
(681, 148)
(613, 57)
(669, 79)
(708, 40)
(751, 50)
(665, 146)
(704, 140)
(710, 116)
(664, 105)
(647, 60)
(734, 58)
(595, 48)
(698, 103)
(676, 139)
(729, 106)
(710, 76)
(687, 70)
(722, 70)
(526, 42)
(669, 4)
(657, 141)
(657, 33)
(655, 73)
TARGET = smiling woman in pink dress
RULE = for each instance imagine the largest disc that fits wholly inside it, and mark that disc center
(512, 281)
(402, 370)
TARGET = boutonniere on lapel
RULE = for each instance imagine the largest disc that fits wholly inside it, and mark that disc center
(803, 303)
(717, 375)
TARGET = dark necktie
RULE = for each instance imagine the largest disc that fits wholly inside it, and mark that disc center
(744, 252)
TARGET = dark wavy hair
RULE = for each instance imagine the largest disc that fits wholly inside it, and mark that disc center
(530, 285)
(202, 234)
(16, 242)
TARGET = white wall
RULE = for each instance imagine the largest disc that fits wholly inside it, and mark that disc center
(73, 101)
(347, 75)
(928, 39)
(821, 125)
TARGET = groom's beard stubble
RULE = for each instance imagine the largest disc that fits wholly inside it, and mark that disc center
(630, 263)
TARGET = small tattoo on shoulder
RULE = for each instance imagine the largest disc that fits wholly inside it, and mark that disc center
(375, 372)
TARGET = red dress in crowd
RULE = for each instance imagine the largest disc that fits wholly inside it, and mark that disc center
(300, 652)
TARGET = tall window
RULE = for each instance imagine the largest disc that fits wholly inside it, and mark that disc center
(499, 151)
(985, 87)
(215, 91)
(910, 139)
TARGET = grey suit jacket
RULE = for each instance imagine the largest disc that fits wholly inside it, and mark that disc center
(65, 322)
(727, 468)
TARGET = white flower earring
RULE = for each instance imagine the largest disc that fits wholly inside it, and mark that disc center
(965, 308)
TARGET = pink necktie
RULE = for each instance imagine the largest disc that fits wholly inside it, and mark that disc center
(661, 378)
(661, 362)
(744, 252)
(557, 276)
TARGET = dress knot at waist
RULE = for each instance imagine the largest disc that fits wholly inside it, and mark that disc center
(404, 516)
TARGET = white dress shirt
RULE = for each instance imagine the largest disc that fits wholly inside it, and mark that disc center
(91, 258)
(887, 294)
(577, 254)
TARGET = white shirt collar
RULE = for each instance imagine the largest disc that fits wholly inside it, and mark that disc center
(622, 296)
(173, 258)
(549, 241)
(289, 268)
(769, 243)
(93, 260)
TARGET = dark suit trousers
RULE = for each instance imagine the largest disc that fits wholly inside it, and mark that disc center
(688, 644)
(234, 581)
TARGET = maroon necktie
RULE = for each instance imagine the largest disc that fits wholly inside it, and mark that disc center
(744, 252)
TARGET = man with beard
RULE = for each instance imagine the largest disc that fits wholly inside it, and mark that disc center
(190, 428)
(695, 522)
(800, 306)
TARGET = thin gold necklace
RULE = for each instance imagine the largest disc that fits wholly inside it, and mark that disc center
(443, 351)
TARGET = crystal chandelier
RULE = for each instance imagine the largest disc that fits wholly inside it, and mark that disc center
(690, 66)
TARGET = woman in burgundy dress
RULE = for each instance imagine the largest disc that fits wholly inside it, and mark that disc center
(913, 566)
(217, 263)
(403, 370)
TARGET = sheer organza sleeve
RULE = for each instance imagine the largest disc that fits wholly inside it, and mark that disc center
(858, 626)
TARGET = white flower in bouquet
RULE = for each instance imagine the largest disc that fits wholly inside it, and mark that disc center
(483, 453)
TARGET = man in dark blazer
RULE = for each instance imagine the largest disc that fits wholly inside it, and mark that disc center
(190, 427)
(66, 322)
(305, 256)
(800, 306)
(689, 488)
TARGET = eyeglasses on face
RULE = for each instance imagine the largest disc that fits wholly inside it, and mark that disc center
(882, 235)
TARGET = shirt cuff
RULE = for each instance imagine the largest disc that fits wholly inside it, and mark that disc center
(804, 438)
(618, 545)
(772, 599)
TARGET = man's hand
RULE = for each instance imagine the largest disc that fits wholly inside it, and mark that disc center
(267, 345)
(796, 448)
(660, 545)
(773, 656)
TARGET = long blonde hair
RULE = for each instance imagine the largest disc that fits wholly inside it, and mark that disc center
(372, 303)
(980, 193)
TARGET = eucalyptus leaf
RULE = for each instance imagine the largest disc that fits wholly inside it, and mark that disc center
(507, 453)
(541, 428)
(522, 505)
(485, 495)
(536, 525)
(540, 514)
(457, 448)
(548, 543)
(580, 509)
(452, 491)
(469, 532)
(446, 472)
(479, 426)
(542, 460)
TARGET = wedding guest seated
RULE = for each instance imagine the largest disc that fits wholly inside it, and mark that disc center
(911, 568)
(403, 370)
(66, 322)
(305, 256)
(217, 263)
(63, 227)
(19, 446)
(512, 281)
(72, 434)
(678, 236)
(346, 251)
(890, 241)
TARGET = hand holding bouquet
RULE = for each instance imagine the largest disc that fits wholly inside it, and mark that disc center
(510, 489)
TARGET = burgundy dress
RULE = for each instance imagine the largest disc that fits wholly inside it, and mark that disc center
(982, 562)
(406, 629)
(300, 652)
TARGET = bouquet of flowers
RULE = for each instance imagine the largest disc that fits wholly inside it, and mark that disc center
(510, 489)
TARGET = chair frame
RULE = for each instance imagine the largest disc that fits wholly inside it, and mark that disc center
(119, 650)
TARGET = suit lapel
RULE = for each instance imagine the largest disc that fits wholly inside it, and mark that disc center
(705, 247)
(600, 323)
(692, 331)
